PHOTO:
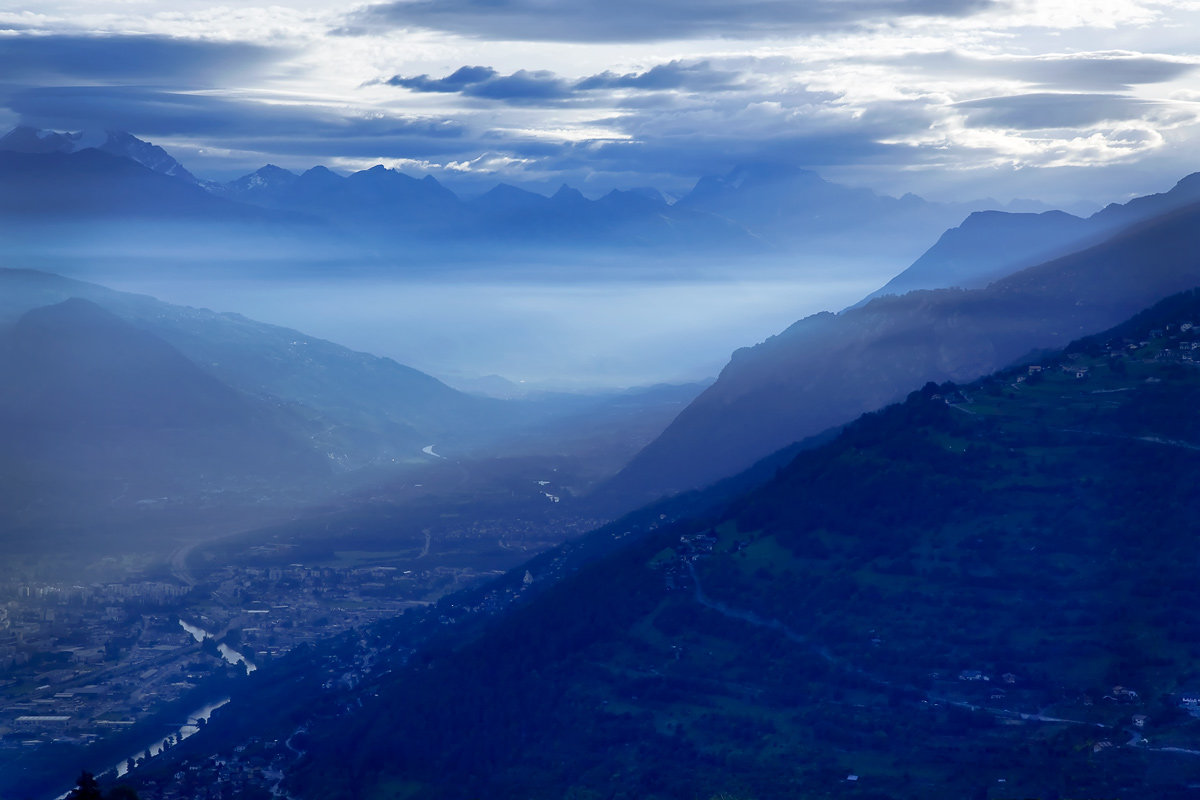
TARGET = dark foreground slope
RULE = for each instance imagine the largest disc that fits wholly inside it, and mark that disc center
(827, 369)
(979, 592)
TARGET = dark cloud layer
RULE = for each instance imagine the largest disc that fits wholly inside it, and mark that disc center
(1051, 110)
(540, 86)
(637, 20)
(669, 143)
(150, 111)
(158, 59)
(523, 86)
(1090, 73)
(457, 81)
(696, 77)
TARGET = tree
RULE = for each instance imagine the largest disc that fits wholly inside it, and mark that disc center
(86, 788)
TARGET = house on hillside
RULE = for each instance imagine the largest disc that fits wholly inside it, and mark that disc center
(1190, 702)
(1120, 694)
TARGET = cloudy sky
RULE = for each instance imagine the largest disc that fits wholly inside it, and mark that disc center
(954, 99)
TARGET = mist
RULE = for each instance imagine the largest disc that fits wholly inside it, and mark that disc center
(577, 329)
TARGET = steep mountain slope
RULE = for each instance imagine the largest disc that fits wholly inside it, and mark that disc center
(989, 245)
(356, 408)
(974, 593)
(826, 369)
(986, 246)
(94, 410)
(24, 139)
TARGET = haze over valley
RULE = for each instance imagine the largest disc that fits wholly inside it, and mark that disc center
(670, 401)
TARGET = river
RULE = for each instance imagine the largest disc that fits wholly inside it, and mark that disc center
(200, 715)
(228, 653)
(189, 728)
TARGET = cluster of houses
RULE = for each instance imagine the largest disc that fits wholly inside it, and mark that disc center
(691, 548)
(973, 675)
(1181, 345)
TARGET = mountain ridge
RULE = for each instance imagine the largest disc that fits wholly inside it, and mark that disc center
(754, 209)
(825, 369)
(988, 245)
(25, 139)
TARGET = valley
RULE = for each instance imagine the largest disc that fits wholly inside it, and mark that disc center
(963, 634)
(937, 544)
(101, 661)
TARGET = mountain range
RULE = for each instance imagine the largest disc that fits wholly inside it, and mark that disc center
(23, 139)
(755, 210)
(828, 368)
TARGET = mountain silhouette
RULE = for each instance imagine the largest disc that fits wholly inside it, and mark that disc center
(991, 244)
(95, 410)
(828, 368)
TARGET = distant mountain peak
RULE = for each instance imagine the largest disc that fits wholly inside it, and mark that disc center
(1190, 183)
(265, 179)
(319, 171)
(507, 193)
(272, 170)
(568, 193)
(26, 139)
(640, 193)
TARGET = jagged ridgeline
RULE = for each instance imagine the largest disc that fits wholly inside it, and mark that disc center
(977, 592)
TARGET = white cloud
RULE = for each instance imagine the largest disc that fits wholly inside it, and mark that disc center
(879, 101)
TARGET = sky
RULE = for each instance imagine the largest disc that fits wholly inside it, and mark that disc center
(1056, 100)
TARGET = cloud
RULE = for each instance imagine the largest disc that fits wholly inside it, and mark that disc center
(699, 76)
(858, 98)
(1079, 71)
(527, 87)
(521, 87)
(640, 21)
(1051, 110)
(158, 59)
(457, 81)
(151, 111)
